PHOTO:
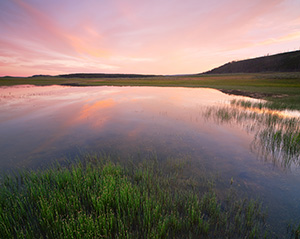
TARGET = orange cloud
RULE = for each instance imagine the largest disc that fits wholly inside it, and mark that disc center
(81, 47)
(285, 38)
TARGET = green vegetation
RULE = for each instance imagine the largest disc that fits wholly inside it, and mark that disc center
(281, 88)
(272, 105)
(277, 138)
(295, 232)
(96, 198)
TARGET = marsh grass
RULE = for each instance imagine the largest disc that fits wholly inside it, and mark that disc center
(96, 198)
(277, 138)
(295, 231)
(272, 105)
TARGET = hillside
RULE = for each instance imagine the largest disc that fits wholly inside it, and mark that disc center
(284, 62)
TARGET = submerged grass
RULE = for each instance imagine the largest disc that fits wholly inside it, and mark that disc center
(277, 137)
(99, 199)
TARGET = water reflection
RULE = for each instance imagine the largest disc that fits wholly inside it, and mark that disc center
(277, 134)
(41, 124)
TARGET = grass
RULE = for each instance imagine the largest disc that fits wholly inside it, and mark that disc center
(272, 105)
(277, 138)
(295, 232)
(280, 88)
(96, 198)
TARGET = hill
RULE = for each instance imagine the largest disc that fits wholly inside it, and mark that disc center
(284, 62)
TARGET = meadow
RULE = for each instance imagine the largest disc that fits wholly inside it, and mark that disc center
(280, 88)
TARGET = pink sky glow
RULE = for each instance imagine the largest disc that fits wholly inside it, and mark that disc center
(139, 36)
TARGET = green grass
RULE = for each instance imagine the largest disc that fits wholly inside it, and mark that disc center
(277, 138)
(295, 231)
(262, 105)
(99, 199)
(285, 85)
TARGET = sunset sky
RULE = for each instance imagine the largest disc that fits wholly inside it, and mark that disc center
(138, 36)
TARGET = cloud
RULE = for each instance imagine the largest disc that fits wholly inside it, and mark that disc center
(41, 29)
(285, 38)
(156, 36)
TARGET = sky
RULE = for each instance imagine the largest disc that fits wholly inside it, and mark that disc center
(137, 36)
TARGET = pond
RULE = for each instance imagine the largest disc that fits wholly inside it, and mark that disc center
(236, 147)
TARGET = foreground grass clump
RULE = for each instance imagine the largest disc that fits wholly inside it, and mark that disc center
(104, 200)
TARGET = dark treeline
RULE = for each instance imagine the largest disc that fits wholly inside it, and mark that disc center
(103, 75)
(284, 62)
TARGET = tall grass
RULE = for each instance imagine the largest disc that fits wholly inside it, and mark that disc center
(277, 138)
(273, 105)
(100, 199)
(295, 231)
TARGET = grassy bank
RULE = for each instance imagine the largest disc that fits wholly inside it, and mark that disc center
(280, 88)
(99, 199)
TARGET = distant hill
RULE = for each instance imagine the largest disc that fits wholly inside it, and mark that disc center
(284, 62)
(103, 75)
(41, 76)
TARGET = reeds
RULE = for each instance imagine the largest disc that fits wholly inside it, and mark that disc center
(101, 199)
(277, 137)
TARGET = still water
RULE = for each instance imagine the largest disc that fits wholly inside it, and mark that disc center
(39, 125)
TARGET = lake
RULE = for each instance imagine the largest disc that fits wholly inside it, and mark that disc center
(41, 125)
